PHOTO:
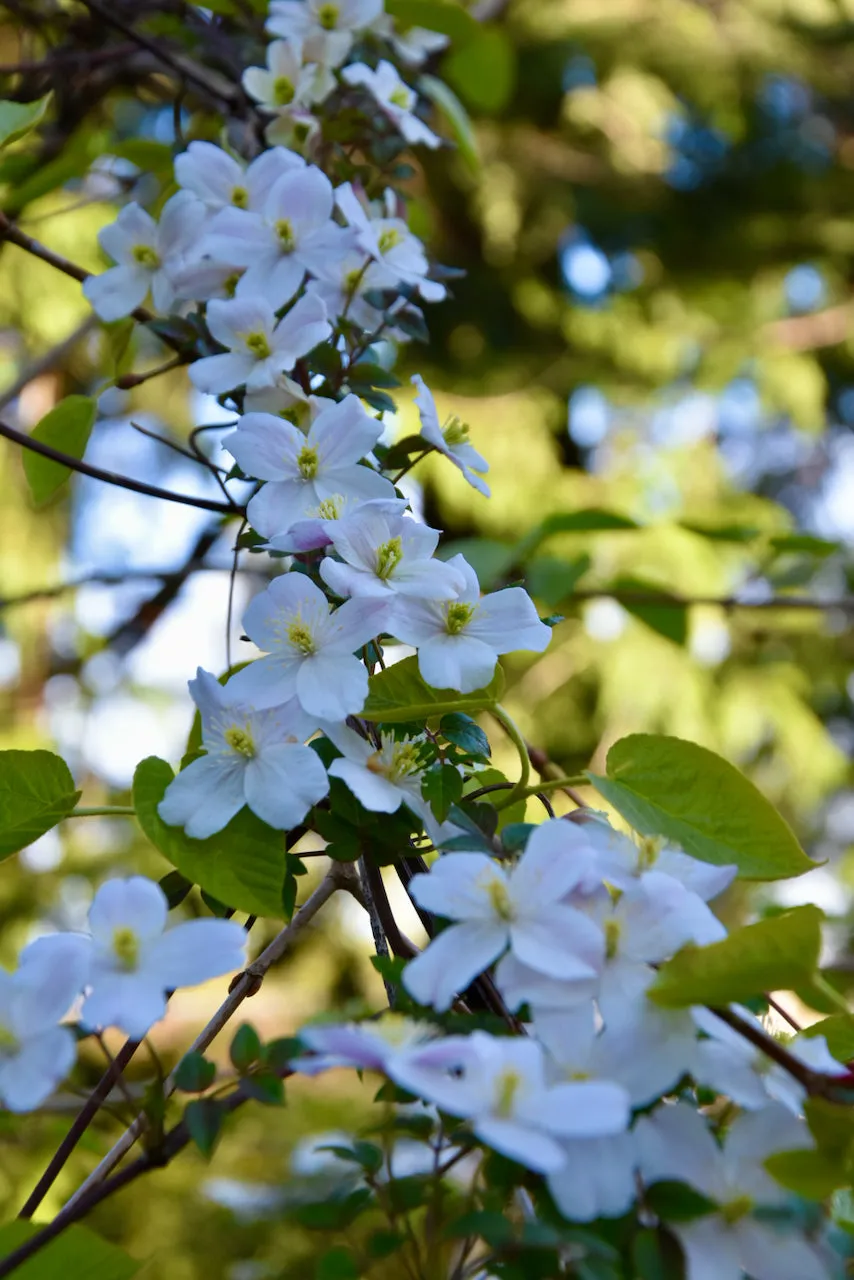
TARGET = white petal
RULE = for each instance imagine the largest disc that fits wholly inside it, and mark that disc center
(598, 1179)
(136, 903)
(117, 292)
(51, 973)
(456, 662)
(559, 941)
(282, 786)
(32, 1074)
(371, 790)
(332, 687)
(530, 1147)
(507, 620)
(125, 1000)
(452, 961)
(458, 886)
(195, 951)
(266, 446)
(769, 1254)
(217, 374)
(583, 1109)
(203, 798)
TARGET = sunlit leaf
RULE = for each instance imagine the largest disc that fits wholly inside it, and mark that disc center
(17, 118)
(36, 792)
(399, 694)
(77, 1254)
(66, 427)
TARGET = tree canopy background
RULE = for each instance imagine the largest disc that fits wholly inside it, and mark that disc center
(652, 338)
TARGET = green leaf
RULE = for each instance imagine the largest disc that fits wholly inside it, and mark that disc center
(335, 1213)
(669, 620)
(194, 1073)
(78, 1254)
(832, 1126)
(669, 787)
(445, 16)
(338, 1264)
(204, 1123)
(805, 544)
(809, 1173)
(491, 560)
(464, 733)
(677, 1202)
(483, 71)
(176, 887)
(657, 1256)
(553, 580)
(366, 374)
(246, 1047)
(456, 117)
(838, 1031)
(243, 865)
(779, 953)
(265, 1087)
(441, 788)
(36, 792)
(17, 118)
(399, 694)
(67, 427)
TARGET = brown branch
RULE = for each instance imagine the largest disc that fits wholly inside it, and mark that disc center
(45, 363)
(111, 477)
(807, 333)
(664, 598)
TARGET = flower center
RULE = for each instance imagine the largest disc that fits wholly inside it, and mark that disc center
(307, 462)
(649, 847)
(230, 283)
(400, 97)
(283, 91)
(352, 280)
(146, 256)
(389, 556)
(257, 345)
(389, 239)
(455, 432)
(499, 898)
(395, 760)
(240, 197)
(285, 232)
(9, 1043)
(126, 947)
(330, 508)
(459, 616)
(506, 1088)
(299, 635)
(736, 1209)
(327, 16)
(613, 929)
(240, 741)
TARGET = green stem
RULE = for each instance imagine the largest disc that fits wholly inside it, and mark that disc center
(512, 730)
(104, 811)
(557, 784)
(823, 988)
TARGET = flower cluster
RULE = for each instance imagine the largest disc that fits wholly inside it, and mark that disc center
(575, 928)
(124, 967)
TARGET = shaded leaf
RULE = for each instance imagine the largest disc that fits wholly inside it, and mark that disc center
(78, 1254)
(399, 694)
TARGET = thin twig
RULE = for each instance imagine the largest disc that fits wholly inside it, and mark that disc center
(50, 360)
(111, 477)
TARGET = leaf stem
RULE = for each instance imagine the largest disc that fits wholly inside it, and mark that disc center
(513, 732)
(103, 811)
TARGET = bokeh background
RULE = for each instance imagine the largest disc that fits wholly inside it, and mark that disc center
(656, 322)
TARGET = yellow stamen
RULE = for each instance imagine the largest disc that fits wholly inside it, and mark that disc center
(146, 256)
(285, 232)
(240, 741)
(389, 556)
(257, 345)
(8, 1041)
(499, 898)
(126, 947)
(327, 16)
(307, 462)
(283, 91)
(299, 635)
(455, 432)
(507, 1087)
(400, 97)
(240, 197)
(613, 929)
(736, 1209)
(389, 239)
(458, 617)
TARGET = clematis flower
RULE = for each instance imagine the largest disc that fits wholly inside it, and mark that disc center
(309, 649)
(676, 1143)
(496, 910)
(307, 470)
(134, 960)
(391, 244)
(325, 28)
(315, 531)
(341, 284)
(260, 351)
(459, 640)
(288, 83)
(499, 1086)
(413, 45)
(452, 440)
(254, 758)
(220, 180)
(147, 254)
(385, 556)
(293, 232)
(36, 1053)
(394, 98)
(367, 1046)
(381, 778)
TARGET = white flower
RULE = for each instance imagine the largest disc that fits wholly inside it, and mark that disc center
(309, 474)
(390, 243)
(413, 45)
(621, 861)
(147, 254)
(260, 351)
(381, 778)
(675, 1143)
(254, 758)
(496, 909)
(597, 1179)
(459, 640)
(647, 923)
(499, 1086)
(387, 555)
(292, 233)
(393, 97)
(368, 1046)
(220, 180)
(325, 28)
(35, 1053)
(728, 1063)
(309, 649)
(341, 283)
(316, 530)
(520, 984)
(452, 440)
(287, 84)
(134, 960)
